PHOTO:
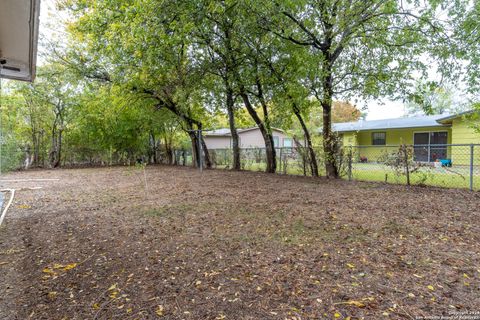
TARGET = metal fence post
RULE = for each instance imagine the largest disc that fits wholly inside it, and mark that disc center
(471, 166)
(200, 151)
(280, 169)
(350, 163)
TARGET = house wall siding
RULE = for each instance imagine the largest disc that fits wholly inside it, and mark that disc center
(393, 137)
(400, 136)
(217, 142)
(349, 139)
(248, 139)
(463, 132)
(254, 138)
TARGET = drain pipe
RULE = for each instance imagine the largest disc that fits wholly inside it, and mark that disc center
(4, 212)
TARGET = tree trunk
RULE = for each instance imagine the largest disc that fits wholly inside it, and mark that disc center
(196, 152)
(233, 130)
(329, 139)
(206, 154)
(36, 142)
(312, 158)
(153, 147)
(267, 136)
(329, 143)
(53, 152)
(229, 70)
(193, 135)
(59, 149)
(168, 150)
(194, 140)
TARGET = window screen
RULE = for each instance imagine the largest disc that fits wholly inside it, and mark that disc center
(378, 138)
(287, 142)
(276, 141)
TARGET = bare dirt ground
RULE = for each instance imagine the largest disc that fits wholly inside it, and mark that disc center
(234, 245)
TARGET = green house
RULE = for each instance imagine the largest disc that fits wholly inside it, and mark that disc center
(435, 137)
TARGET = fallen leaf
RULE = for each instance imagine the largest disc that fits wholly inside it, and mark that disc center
(52, 295)
(356, 303)
(69, 266)
(48, 270)
(160, 310)
(353, 303)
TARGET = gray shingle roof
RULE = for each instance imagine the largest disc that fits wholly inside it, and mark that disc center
(398, 123)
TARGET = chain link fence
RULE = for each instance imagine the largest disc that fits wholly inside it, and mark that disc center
(11, 157)
(452, 165)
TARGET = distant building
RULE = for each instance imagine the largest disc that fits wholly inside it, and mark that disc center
(248, 138)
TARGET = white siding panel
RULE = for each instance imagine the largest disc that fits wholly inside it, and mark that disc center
(217, 142)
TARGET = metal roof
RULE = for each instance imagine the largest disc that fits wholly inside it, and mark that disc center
(217, 132)
(19, 20)
(457, 115)
(397, 123)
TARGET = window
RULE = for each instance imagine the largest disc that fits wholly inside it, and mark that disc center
(287, 142)
(430, 146)
(276, 142)
(378, 138)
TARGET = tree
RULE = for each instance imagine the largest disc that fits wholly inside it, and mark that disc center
(145, 51)
(54, 92)
(284, 64)
(362, 48)
(465, 17)
(215, 31)
(36, 119)
(233, 41)
(344, 111)
(430, 98)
